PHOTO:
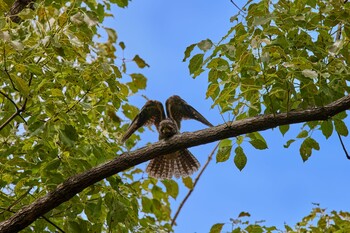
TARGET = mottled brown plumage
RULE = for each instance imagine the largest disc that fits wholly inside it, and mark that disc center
(179, 163)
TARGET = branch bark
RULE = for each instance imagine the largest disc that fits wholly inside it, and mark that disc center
(77, 183)
(17, 7)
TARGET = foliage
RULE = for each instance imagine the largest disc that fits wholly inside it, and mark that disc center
(61, 87)
(63, 92)
(319, 220)
(278, 57)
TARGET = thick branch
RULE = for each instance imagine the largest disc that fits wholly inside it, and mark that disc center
(77, 183)
(17, 7)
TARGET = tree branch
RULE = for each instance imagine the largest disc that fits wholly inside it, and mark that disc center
(77, 183)
(17, 7)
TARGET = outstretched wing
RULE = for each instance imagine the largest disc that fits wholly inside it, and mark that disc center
(151, 113)
(178, 109)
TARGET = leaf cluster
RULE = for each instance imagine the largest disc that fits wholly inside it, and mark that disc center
(63, 94)
(279, 57)
(319, 220)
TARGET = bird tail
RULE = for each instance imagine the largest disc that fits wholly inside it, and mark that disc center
(179, 163)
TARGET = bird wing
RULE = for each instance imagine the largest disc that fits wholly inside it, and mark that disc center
(151, 113)
(178, 109)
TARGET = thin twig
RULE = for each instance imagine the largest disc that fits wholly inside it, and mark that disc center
(43, 217)
(343, 146)
(8, 97)
(17, 201)
(237, 6)
(194, 184)
(6, 71)
(8, 120)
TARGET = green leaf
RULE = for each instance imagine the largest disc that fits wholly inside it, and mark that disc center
(327, 128)
(140, 62)
(257, 141)
(224, 150)
(120, 3)
(205, 45)
(34, 68)
(146, 204)
(122, 45)
(52, 165)
(138, 82)
(240, 159)
(243, 214)
(172, 188)
(258, 144)
(187, 182)
(70, 132)
(74, 226)
(188, 51)
(306, 148)
(283, 129)
(21, 85)
(289, 142)
(65, 139)
(303, 134)
(216, 228)
(196, 63)
(340, 127)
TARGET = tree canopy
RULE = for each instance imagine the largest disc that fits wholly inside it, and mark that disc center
(64, 92)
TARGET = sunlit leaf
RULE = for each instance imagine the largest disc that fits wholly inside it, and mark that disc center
(172, 188)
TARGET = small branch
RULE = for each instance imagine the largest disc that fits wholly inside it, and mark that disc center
(8, 97)
(53, 224)
(77, 183)
(343, 146)
(17, 113)
(6, 71)
(194, 185)
(70, 108)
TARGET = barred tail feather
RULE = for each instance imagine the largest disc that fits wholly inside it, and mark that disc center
(179, 163)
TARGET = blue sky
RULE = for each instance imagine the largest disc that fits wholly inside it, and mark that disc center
(275, 185)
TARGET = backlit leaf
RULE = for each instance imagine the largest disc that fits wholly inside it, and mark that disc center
(240, 159)
(196, 63)
(216, 228)
(187, 182)
(188, 51)
(140, 62)
(224, 150)
(340, 127)
(327, 128)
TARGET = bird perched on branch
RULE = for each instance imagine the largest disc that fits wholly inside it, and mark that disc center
(179, 163)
